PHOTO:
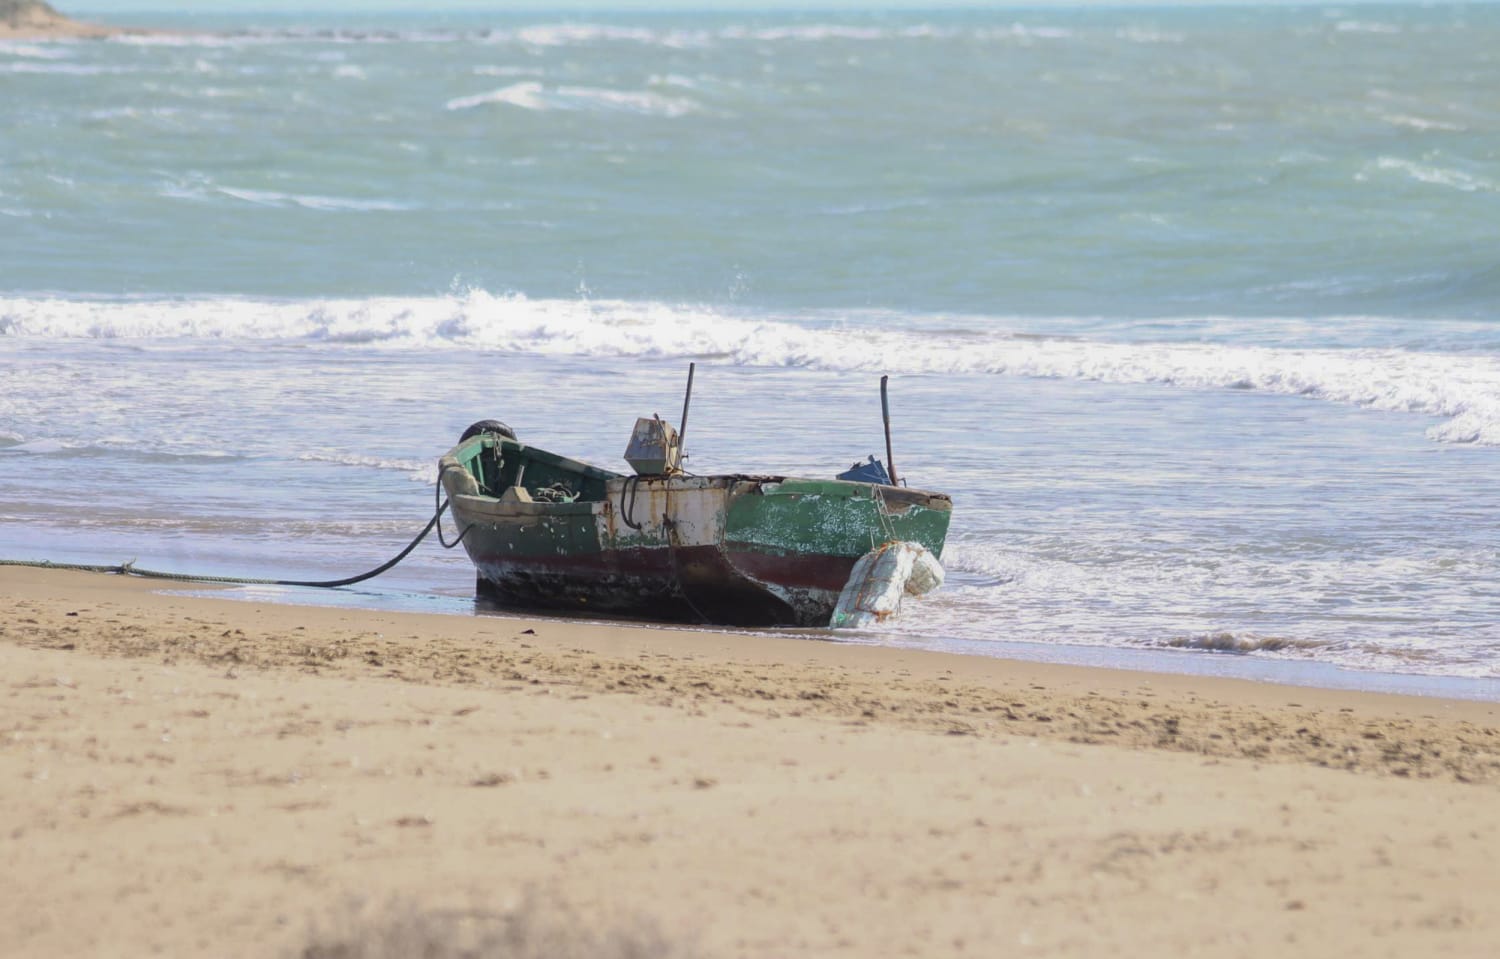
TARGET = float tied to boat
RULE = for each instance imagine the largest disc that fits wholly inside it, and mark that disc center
(546, 532)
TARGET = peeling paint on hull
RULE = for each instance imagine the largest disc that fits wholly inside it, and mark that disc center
(732, 550)
(707, 589)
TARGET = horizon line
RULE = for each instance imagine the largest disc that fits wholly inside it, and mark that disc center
(256, 7)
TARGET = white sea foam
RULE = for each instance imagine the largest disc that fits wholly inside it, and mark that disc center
(133, 113)
(673, 80)
(195, 449)
(812, 32)
(311, 202)
(211, 40)
(532, 95)
(823, 32)
(1242, 643)
(582, 34)
(65, 68)
(1148, 35)
(1019, 31)
(40, 447)
(1366, 26)
(494, 71)
(418, 471)
(558, 35)
(1438, 176)
(1421, 123)
(1461, 388)
(577, 34)
(1085, 592)
(526, 95)
(35, 51)
(628, 101)
(571, 34)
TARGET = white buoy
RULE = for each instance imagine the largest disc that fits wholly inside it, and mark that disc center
(881, 578)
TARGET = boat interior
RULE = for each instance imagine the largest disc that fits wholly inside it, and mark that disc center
(507, 469)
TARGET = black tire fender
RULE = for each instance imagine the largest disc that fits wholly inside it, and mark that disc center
(488, 426)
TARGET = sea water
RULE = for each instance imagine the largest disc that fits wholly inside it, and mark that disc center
(1193, 313)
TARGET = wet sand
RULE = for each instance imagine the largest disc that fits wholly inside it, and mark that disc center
(188, 775)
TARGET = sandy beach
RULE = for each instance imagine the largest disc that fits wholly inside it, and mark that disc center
(191, 775)
(1189, 310)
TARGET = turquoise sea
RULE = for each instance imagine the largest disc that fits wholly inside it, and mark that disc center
(1196, 313)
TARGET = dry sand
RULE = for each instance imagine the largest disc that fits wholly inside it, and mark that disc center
(188, 776)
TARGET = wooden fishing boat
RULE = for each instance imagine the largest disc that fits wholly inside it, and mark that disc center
(548, 532)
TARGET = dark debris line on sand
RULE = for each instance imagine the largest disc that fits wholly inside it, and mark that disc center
(536, 929)
(1425, 748)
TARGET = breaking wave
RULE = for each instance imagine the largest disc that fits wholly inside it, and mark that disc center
(114, 447)
(583, 34)
(273, 198)
(1461, 388)
(533, 95)
(64, 68)
(580, 34)
(33, 51)
(1435, 175)
(418, 471)
(1086, 591)
(1365, 26)
(1244, 644)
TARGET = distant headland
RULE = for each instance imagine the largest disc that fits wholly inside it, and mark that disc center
(35, 20)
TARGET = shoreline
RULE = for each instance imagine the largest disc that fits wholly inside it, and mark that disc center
(1242, 667)
(202, 775)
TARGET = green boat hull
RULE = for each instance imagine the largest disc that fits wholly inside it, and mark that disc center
(732, 549)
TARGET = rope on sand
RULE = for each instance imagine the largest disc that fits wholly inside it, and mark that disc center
(130, 569)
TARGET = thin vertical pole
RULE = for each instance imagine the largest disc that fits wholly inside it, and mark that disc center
(885, 415)
(686, 399)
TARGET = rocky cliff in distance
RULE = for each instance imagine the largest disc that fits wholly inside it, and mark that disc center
(33, 18)
(29, 13)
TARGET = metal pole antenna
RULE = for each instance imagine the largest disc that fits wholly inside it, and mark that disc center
(686, 399)
(885, 415)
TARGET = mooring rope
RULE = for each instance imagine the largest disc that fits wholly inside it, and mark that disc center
(130, 569)
(437, 491)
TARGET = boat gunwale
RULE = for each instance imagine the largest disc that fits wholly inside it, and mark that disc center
(616, 481)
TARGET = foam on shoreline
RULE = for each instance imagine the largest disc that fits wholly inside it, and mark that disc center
(1462, 390)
